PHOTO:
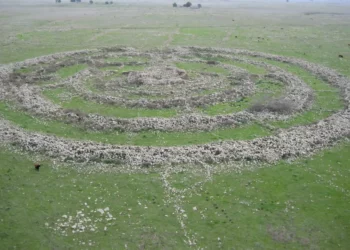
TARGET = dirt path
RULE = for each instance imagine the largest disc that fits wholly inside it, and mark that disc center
(171, 38)
(102, 33)
(227, 37)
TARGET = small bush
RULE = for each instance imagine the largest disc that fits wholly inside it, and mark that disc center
(211, 62)
(174, 5)
(279, 106)
(188, 4)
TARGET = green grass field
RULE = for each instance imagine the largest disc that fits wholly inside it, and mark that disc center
(301, 204)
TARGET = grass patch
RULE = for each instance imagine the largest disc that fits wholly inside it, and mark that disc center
(288, 206)
(148, 38)
(85, 106)
(266, 89)
(185, 179)
(249, 67)
(327, 98)
(203, 32)
(71, 70)
(253, 69)
(208, 91)
(147, 138)
(201, 67)
(24, 70)
(29, 199)
(126, 59)
(110, 68)
(295, 206)
(199, 36)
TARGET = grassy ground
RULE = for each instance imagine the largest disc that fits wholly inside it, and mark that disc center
(146, 138)
(287, 206)
(71, 70)
(303, 205)
(200, 67)
(30, 199)
(266, 89)
(78, 103)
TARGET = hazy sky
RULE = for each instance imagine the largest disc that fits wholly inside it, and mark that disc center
(167, 1)
(180, 1)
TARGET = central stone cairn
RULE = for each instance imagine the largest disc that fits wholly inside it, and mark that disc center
(187, 79)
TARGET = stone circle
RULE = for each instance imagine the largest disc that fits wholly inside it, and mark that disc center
(158, 82)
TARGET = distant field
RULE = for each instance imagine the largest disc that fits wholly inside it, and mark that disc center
(254, 202)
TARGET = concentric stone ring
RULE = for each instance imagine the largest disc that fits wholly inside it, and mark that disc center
(189, 80)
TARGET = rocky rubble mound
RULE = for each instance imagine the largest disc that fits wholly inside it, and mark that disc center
(180, 89)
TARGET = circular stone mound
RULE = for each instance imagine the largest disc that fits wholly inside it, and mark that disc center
(158, 76)
(186, 79)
